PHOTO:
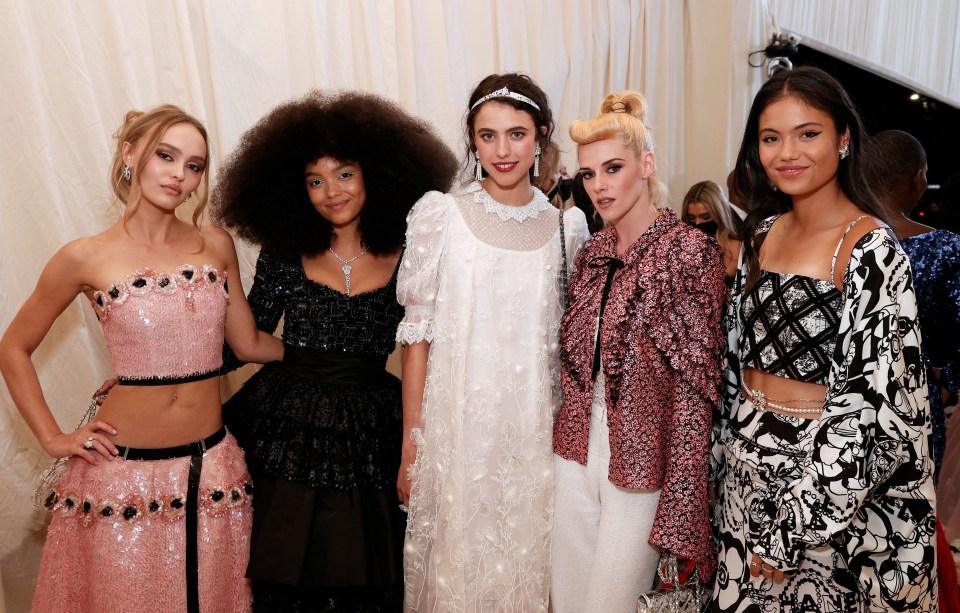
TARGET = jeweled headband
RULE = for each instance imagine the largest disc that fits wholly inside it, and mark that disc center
(503, 92)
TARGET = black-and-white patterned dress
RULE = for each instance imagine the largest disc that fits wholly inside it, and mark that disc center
(843, 503)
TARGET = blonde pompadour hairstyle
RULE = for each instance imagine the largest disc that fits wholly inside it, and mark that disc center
(622, 116)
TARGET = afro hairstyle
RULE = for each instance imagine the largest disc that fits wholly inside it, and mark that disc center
(261, 192)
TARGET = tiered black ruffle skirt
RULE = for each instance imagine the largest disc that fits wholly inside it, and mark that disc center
(322, 434)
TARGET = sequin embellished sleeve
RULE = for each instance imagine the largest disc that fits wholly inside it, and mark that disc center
(419, 276)
(267, 299)
(867, 486)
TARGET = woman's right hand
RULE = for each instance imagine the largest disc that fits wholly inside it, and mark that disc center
(87, 442)
(404, 478)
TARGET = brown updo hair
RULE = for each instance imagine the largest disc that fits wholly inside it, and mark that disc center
(622, 117)
(149, 127)
(521, 84)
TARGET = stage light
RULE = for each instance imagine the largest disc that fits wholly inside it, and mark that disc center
(914, 96)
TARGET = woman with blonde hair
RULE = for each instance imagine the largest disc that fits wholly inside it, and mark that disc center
(706, 209)
(154, 508)
(640, 355)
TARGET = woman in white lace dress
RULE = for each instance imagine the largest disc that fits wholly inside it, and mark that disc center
(482, 280)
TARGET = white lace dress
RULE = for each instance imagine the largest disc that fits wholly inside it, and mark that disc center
(481, 282)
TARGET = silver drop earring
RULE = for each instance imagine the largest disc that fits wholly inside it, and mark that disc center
(845, 151)
(536, 161)
(127, 173)
(479, 173)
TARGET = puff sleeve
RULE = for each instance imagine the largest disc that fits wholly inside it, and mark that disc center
(419, 278)
(576, 234)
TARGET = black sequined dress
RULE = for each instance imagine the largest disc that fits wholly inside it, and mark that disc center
(322, 432)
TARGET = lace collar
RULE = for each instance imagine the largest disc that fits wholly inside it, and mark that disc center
(531, 210)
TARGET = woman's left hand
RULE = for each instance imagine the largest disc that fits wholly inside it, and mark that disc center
(758, 567)
(104, 389)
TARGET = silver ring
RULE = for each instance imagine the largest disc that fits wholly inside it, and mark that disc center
(404, 508)
(88, 444)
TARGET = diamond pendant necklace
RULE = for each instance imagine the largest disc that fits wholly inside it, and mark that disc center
(346, 268)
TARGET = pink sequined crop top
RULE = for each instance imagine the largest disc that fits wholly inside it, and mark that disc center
(164, 328)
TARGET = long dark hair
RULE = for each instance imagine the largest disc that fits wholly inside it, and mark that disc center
(818, 90)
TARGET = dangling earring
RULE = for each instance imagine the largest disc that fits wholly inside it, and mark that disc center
(536, 161)
(479, 173)
(844, 151)
(127, 173)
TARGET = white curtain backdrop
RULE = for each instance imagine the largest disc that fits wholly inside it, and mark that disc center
(72, 69)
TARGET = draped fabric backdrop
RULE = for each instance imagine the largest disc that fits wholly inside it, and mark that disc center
(73, 69)
(914, 43)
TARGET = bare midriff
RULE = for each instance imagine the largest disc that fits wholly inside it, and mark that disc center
(805, 399)
(158, 416)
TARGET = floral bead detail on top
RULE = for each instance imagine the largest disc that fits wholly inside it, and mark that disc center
(142, 282)
(164, 328)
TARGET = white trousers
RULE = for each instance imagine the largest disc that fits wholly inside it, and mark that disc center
(601, 560)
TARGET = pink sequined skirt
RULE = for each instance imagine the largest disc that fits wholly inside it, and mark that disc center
(118, 537)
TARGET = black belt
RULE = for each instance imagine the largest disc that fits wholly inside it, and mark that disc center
(195, 451)
(168, 453)
(334, 367)
(121, 380)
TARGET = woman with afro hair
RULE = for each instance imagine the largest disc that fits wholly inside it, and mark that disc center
(323, 184)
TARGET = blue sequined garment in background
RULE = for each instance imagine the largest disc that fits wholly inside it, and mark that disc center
(935, 259)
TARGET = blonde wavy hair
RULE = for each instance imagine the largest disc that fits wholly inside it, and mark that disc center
(150, 126)
(711, 197)
(622, 116)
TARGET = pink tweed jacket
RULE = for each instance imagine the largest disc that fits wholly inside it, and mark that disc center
(661, 343)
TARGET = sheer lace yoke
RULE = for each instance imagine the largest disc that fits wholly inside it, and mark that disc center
(517, 228)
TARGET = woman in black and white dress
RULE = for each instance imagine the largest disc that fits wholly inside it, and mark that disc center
(825, 482)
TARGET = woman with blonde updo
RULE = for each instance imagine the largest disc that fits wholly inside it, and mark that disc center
(706, 209)
(640, 355)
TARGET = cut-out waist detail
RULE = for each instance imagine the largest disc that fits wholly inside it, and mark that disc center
(778, 393)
